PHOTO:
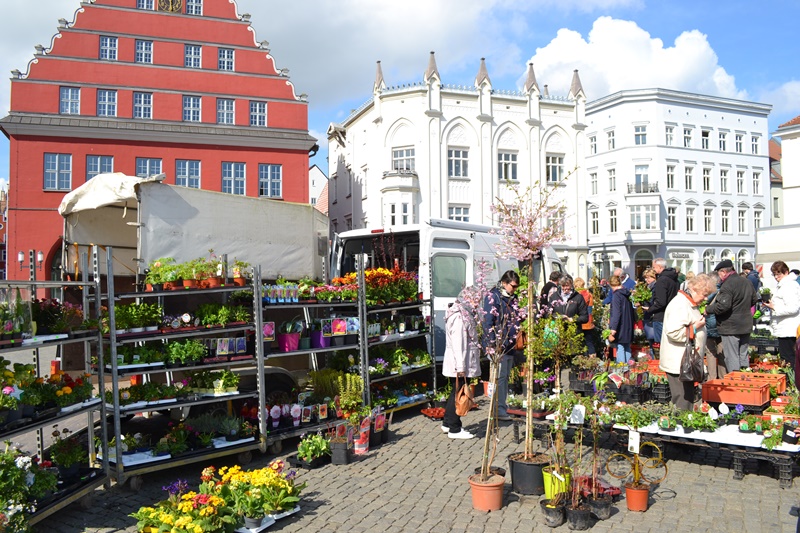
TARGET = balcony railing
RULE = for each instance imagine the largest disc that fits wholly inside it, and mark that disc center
(642, 188)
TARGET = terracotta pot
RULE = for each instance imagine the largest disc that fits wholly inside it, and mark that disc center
(214, 281)
(487, 496)
(239, 281)
(637, 496)
(190, 283)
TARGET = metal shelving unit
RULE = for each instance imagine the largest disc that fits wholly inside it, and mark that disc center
(90, 299)
(117, 468)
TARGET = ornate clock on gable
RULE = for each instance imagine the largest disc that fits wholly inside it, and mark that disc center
(173, 6)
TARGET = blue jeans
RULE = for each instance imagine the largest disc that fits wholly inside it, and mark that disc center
(658, 328)
(502, 384)
(623, 352)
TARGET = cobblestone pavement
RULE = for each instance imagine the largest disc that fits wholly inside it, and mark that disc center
(418, 483)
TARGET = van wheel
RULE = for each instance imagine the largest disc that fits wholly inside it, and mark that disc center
(275, 448)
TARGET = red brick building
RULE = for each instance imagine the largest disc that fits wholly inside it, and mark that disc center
(143, 87)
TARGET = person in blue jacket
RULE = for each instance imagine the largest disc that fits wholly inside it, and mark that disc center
(622, 318)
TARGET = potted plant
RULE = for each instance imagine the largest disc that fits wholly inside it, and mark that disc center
(67, 453)
(230, 380)
(229, 428)
(578, 514)
(766, 294)
(240, 272)
(289, 335)
(600, 504)
(313, 451)
(340, 449)
(158, 272)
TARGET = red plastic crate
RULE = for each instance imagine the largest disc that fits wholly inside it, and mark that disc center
(775, 380)
(734, 392)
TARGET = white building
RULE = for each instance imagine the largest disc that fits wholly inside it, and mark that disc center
(789, 135)
(316, 183)
(430, 150)
(675, 175)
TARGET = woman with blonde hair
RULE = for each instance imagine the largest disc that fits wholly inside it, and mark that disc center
(785, 306)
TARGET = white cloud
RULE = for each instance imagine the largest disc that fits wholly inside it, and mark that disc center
(785, 100)
(619, 55)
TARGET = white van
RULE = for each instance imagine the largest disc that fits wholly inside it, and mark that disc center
(444, 254)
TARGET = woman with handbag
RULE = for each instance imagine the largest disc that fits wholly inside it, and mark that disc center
(684, 335)
(461, 356)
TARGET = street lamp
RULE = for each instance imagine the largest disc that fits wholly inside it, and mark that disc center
(34, 262)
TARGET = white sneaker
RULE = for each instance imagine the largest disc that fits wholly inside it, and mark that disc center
(445, 429)
(463, 434)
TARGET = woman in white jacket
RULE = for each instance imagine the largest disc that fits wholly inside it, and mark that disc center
(461, 354)
(681, 312)
(785, 306)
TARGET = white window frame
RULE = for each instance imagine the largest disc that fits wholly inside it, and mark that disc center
(708, 220)
(706, 179)
(108, 48)
(687, 137)
(723, 141)
(192, 108)
(507, 166)
(143, 105)
(258, 114)
(740, 183)
(458, 213)
(738, 143)
(669, 135)
(742, 221)
(612, 179)
(98, 164)
(612, 142)
(594, 222)
(723, 180)
(148, 166)
(143, 52)
(756, 183)
(270, 180)
(754, 142)
(670, 176)
(106, 103)
(234, 179)
(194, 7)
(188, 173)
(69, 102)
(776, 204)
(640, 135)
(672, 218)
(458, 163)
(192, 56)
(756, 219)
(226, 111)
(145, 4)
(705, 139)
(593, 145)
(688, 178)
(725, 220)
(225, 59)
(554, 166)
(690, 220)
(57, 172)
(612, 220)
(593, 181)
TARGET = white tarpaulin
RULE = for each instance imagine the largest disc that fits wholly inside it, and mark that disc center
(158, 220)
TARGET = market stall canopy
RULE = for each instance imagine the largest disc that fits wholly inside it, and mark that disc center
(144, 219)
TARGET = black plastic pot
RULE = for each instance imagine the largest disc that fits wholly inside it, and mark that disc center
(553, 516)
(340, 454)
(374, 438)
(579, 519)
(526, 478)
(790, 434)
(385, 435)
(601, 507)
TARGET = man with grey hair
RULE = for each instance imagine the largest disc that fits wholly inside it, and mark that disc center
(734, 321)
(626, 281)
(664, 290)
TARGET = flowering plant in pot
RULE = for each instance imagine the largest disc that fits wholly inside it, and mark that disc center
(312, 447)
(67, 452)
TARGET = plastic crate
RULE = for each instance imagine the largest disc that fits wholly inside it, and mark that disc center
(631, 394)
(775, 380)
(661, 393)
(734, 392)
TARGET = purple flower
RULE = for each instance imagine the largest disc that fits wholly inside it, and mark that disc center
(739, 408)
(290, 475)
(179, 487)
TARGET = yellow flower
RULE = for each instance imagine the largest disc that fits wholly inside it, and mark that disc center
(67, 390)
(59, 393)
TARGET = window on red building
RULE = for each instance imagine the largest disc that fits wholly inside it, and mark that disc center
(233, 178)
(106, 103)
(145, 4)
(108, 48)
(269, 181)
(258, 114)
(225, 59)
(192, 56)
(194, 7)
(225, 109)
(143, 105)
(147, 167)
(187, 173)
(57, 172)
(144, 52)
(191, 108)
(98, 164)
(70, 101)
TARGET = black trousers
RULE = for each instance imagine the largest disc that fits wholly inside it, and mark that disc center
(451, 419)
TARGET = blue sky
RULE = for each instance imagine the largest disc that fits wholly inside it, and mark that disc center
(731, 48)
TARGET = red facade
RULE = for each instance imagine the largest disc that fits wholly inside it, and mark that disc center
(138, 91)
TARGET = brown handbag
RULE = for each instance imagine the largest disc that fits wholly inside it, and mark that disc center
(464, 401)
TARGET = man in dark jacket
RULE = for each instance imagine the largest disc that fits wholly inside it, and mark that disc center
(714, 354)
(549, 288)
(664, 291)
(500, 324)
(732, 306)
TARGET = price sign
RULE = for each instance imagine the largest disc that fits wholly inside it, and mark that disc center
(634, 438)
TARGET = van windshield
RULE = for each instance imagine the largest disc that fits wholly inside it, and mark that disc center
(383, 250)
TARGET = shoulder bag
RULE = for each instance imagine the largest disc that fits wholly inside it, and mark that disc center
(464, 401)
(692, 361)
